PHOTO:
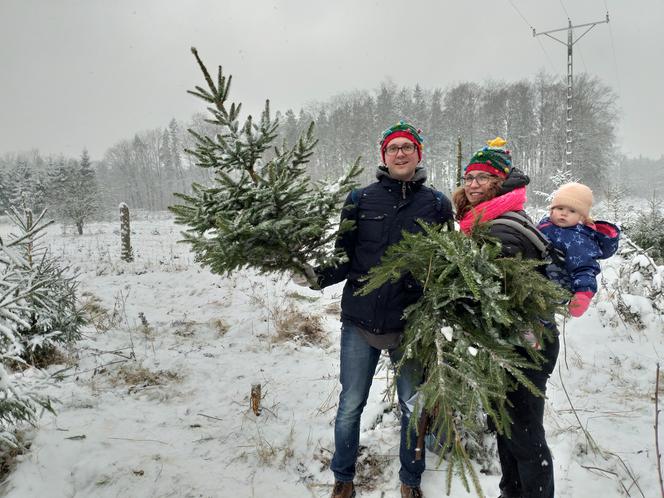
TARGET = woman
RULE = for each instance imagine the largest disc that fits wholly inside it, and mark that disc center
(491, 188)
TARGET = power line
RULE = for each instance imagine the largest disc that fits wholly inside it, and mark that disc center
(563, 6)
(583, 60)
(613, 50)
(553, 69)
(530, 26)
(519, 12)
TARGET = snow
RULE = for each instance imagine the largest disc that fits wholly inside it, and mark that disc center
(638, 304)
(163, 409)
(642, 261)
(447, 333)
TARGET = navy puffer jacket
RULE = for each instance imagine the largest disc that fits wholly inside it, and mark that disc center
(382, 212)
(583, 246)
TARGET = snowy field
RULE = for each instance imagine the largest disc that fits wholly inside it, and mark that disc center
(155, 401)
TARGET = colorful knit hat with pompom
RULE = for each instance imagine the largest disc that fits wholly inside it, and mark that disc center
(493, 159)
(402, 129)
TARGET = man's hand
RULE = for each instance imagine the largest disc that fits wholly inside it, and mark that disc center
(306, 279)
(579, 303)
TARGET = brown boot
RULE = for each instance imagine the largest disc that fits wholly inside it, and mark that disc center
(343, 489)
(408, 492)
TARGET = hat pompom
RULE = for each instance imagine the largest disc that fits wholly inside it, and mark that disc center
(497, 143)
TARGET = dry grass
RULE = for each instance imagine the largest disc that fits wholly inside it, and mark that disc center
(220, 326)
(134, 374)
(369, 471)
(41, 357)
(187, 328)
(292, 324)
(45, 356)
(333, 308)
(269, 454)
(97, 315)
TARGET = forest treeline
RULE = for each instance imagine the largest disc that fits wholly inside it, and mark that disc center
(144, 170)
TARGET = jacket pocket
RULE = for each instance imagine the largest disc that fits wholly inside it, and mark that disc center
(371, 226)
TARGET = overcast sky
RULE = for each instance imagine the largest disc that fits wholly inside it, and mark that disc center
(89, 73)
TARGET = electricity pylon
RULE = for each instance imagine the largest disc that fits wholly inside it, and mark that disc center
(570, 43)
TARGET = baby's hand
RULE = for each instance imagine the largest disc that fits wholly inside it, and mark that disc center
(579, 303)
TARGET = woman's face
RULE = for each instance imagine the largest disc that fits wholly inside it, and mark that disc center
(477, 185)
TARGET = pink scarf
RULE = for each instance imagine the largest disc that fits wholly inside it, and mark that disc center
(491, 209)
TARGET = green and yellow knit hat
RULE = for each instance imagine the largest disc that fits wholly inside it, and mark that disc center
(493, 159)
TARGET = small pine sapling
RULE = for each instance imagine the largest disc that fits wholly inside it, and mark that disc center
(265, 214)
(20, 288)
(38, 305)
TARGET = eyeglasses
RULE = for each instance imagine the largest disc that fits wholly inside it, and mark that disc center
(480, 179)
(392, 150)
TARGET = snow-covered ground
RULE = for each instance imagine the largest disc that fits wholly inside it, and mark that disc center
(156, 399)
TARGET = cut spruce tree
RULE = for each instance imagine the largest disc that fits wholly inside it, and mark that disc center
(261, 213)
(476, 307)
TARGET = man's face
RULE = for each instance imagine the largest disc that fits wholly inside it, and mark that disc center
(401, 158)
(563, 216)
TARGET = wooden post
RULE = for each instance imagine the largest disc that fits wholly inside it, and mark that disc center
(126, 254)
(459, 169)
(256, 399)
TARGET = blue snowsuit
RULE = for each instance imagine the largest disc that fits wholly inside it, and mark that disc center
(582, 246)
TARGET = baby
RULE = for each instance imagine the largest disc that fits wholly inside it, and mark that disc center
(582, 241)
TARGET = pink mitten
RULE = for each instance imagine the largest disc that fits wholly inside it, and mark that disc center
(579, 303)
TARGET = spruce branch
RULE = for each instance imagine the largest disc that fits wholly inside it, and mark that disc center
(476, 308)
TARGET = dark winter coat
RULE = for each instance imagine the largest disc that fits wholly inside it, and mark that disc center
(514, 242)
(522, 453)
(382, 212)
(582, 246)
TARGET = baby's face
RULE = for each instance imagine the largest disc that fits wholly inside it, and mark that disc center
(563, 216)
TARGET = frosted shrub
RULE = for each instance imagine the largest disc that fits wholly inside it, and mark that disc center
(20, 404)
(636, 292)
(39, 305)
(647, 231)
(20, 289)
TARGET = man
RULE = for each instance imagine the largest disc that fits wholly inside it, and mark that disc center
(371, 323)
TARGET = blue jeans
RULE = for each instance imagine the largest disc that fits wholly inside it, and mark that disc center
(358, 365)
